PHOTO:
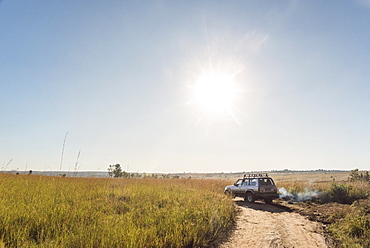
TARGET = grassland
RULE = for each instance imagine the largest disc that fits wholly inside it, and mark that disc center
(44, 211)
(344, 206)
(40, 211)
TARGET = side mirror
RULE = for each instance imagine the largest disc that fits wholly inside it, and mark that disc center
(235, 184)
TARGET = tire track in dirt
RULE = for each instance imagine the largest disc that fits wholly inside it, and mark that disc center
(263, 225)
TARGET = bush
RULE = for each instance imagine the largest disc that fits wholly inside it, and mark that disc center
(357, 176)
(340, 193)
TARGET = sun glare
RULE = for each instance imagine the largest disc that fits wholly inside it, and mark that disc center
(214, 92)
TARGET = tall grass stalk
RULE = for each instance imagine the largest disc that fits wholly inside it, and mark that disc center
(61, 159)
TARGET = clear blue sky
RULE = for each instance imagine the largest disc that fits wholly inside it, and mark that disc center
(121, 76)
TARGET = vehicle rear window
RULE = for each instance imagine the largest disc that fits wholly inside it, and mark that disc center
(266, 181)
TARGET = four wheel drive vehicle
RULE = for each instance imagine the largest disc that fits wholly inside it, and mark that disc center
(253, 187)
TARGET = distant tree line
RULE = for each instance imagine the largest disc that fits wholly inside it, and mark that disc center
(302, 171)
(115, 171)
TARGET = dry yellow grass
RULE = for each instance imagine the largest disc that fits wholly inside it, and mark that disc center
(38, 211)
(311, 176)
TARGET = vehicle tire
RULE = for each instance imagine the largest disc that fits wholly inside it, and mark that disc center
(268, 200)
(249, 197)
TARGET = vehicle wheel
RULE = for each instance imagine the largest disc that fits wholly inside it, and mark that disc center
(249, 197)
(268, 200)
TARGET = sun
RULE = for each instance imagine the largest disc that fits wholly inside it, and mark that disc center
(215, 92)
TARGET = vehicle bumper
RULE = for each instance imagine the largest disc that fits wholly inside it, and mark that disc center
(267, 195)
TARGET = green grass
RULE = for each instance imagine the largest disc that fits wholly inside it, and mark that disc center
(354, 229)
(38, 211)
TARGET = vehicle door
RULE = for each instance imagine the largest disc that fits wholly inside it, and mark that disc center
(253, 184)
(237, 188)
(243, 187)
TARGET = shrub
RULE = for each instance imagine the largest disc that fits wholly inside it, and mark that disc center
(340, 193)
(357, 176)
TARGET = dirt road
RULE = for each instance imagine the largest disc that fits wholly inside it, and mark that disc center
(263, 225)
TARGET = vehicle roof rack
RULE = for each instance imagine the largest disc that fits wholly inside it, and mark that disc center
(256, 175)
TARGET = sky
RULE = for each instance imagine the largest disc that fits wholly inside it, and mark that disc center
(184, 86)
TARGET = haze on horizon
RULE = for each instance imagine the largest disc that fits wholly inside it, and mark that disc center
(185, 86)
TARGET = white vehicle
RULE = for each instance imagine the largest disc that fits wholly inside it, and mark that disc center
(253, 187)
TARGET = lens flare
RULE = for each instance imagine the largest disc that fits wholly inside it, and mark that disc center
(215, 92)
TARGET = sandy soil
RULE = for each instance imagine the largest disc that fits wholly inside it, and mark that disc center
(263, 225)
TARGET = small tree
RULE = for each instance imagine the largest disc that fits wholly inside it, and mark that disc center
(115, 170)
(125, 174)
(354, 176)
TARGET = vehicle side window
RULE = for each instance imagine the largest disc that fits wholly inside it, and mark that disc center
(239, 182)
(244, 184)
(270, 182)
(253, 182)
